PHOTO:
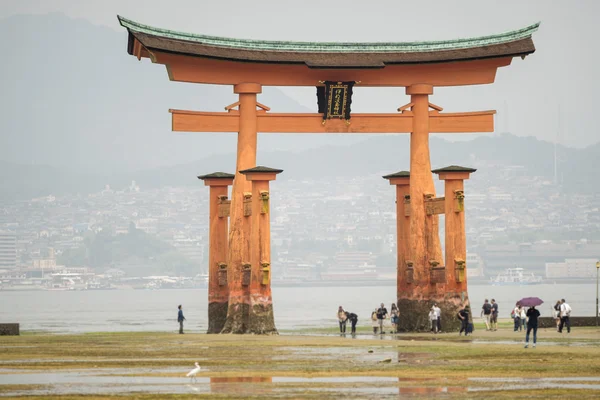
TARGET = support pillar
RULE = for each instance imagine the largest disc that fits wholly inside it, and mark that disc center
(404, 276)
(456, 295)
(218, 292)
(239, 230)
(424, 243)
(261, 319)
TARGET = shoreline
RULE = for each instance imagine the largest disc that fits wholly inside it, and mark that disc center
(307, 284)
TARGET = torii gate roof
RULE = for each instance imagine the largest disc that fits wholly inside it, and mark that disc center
(327, 54)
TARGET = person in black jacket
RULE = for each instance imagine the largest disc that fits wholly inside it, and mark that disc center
(463, 315)
(532, 324)
(353, 320)
(557, 314)
(382, 314)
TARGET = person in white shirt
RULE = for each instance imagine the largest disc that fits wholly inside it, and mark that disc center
(433, 319)
(516, 316)
(565, 313)
(523, 319)
(438, 313)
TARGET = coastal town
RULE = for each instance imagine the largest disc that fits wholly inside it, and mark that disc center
(523, 229)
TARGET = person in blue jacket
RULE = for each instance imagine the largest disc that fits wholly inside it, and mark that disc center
(180, 319)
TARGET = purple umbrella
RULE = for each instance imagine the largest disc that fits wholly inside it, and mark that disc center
(530, 301)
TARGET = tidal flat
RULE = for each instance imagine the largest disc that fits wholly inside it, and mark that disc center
(305, 364)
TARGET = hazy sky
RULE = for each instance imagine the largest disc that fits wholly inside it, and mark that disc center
(527, 94)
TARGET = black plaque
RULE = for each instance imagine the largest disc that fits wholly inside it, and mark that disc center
(334, 99)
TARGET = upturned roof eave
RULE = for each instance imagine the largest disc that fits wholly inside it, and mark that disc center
(332, 47)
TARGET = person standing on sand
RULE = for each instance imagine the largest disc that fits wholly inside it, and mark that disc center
(523, 319)
(342, 318)
(463, 315)
(394, 318)
(486, 312)
(557, 314)
(353, 318)
(532, 324)
(494, 317)
(382, 314)
(565, 314)
(374, 321)
(516, 316)
(438, 313)
(433, 320)
(180, 319)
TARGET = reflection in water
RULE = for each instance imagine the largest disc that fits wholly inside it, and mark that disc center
(427, 389)
(238, 385)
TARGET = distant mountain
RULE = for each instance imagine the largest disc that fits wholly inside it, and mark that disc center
(73, 97)
(382, 154)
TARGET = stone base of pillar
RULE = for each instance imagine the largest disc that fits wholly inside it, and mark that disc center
(217, 315)
(261, 320)
(414, 314)
(237, 318)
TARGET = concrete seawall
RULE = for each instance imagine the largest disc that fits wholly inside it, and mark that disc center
(549, 322)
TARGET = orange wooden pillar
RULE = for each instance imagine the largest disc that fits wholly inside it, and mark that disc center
(424, 241)
(239, 228)
(402, 182)
(261, 319)
(218, 292)
(455, 232)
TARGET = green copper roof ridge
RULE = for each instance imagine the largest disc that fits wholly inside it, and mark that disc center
(339, 47)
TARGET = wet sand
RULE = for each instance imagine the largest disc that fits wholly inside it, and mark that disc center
(302, 365)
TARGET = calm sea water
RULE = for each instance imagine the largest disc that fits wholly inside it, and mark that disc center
(299, 307)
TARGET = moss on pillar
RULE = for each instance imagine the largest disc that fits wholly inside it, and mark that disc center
(261, 320)
(237, 318)
(414, 314)
(217, 315)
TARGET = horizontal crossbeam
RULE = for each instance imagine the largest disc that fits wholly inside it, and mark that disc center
(198, 121)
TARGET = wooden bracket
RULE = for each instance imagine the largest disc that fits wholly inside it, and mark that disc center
(410, 277)
(266, 272)
(246, 274)
(436, 109)
(264, 198)
(459, 201)
(262, 107)
(247, 204)
(437, 274)
(407, 205)
(460, 267)
(435, 205)
(232, 107)
(222, 274)
(224, 207)
(405, 108)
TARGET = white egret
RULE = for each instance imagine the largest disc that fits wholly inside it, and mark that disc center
(192, 373)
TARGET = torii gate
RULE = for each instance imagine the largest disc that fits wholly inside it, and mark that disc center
(248, 65)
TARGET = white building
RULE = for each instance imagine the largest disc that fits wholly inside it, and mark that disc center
(572, 268)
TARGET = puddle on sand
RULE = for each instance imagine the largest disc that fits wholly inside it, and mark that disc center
(334, 353)
(433, 338)
(97, 382)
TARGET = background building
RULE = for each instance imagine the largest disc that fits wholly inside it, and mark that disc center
(8, 250)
